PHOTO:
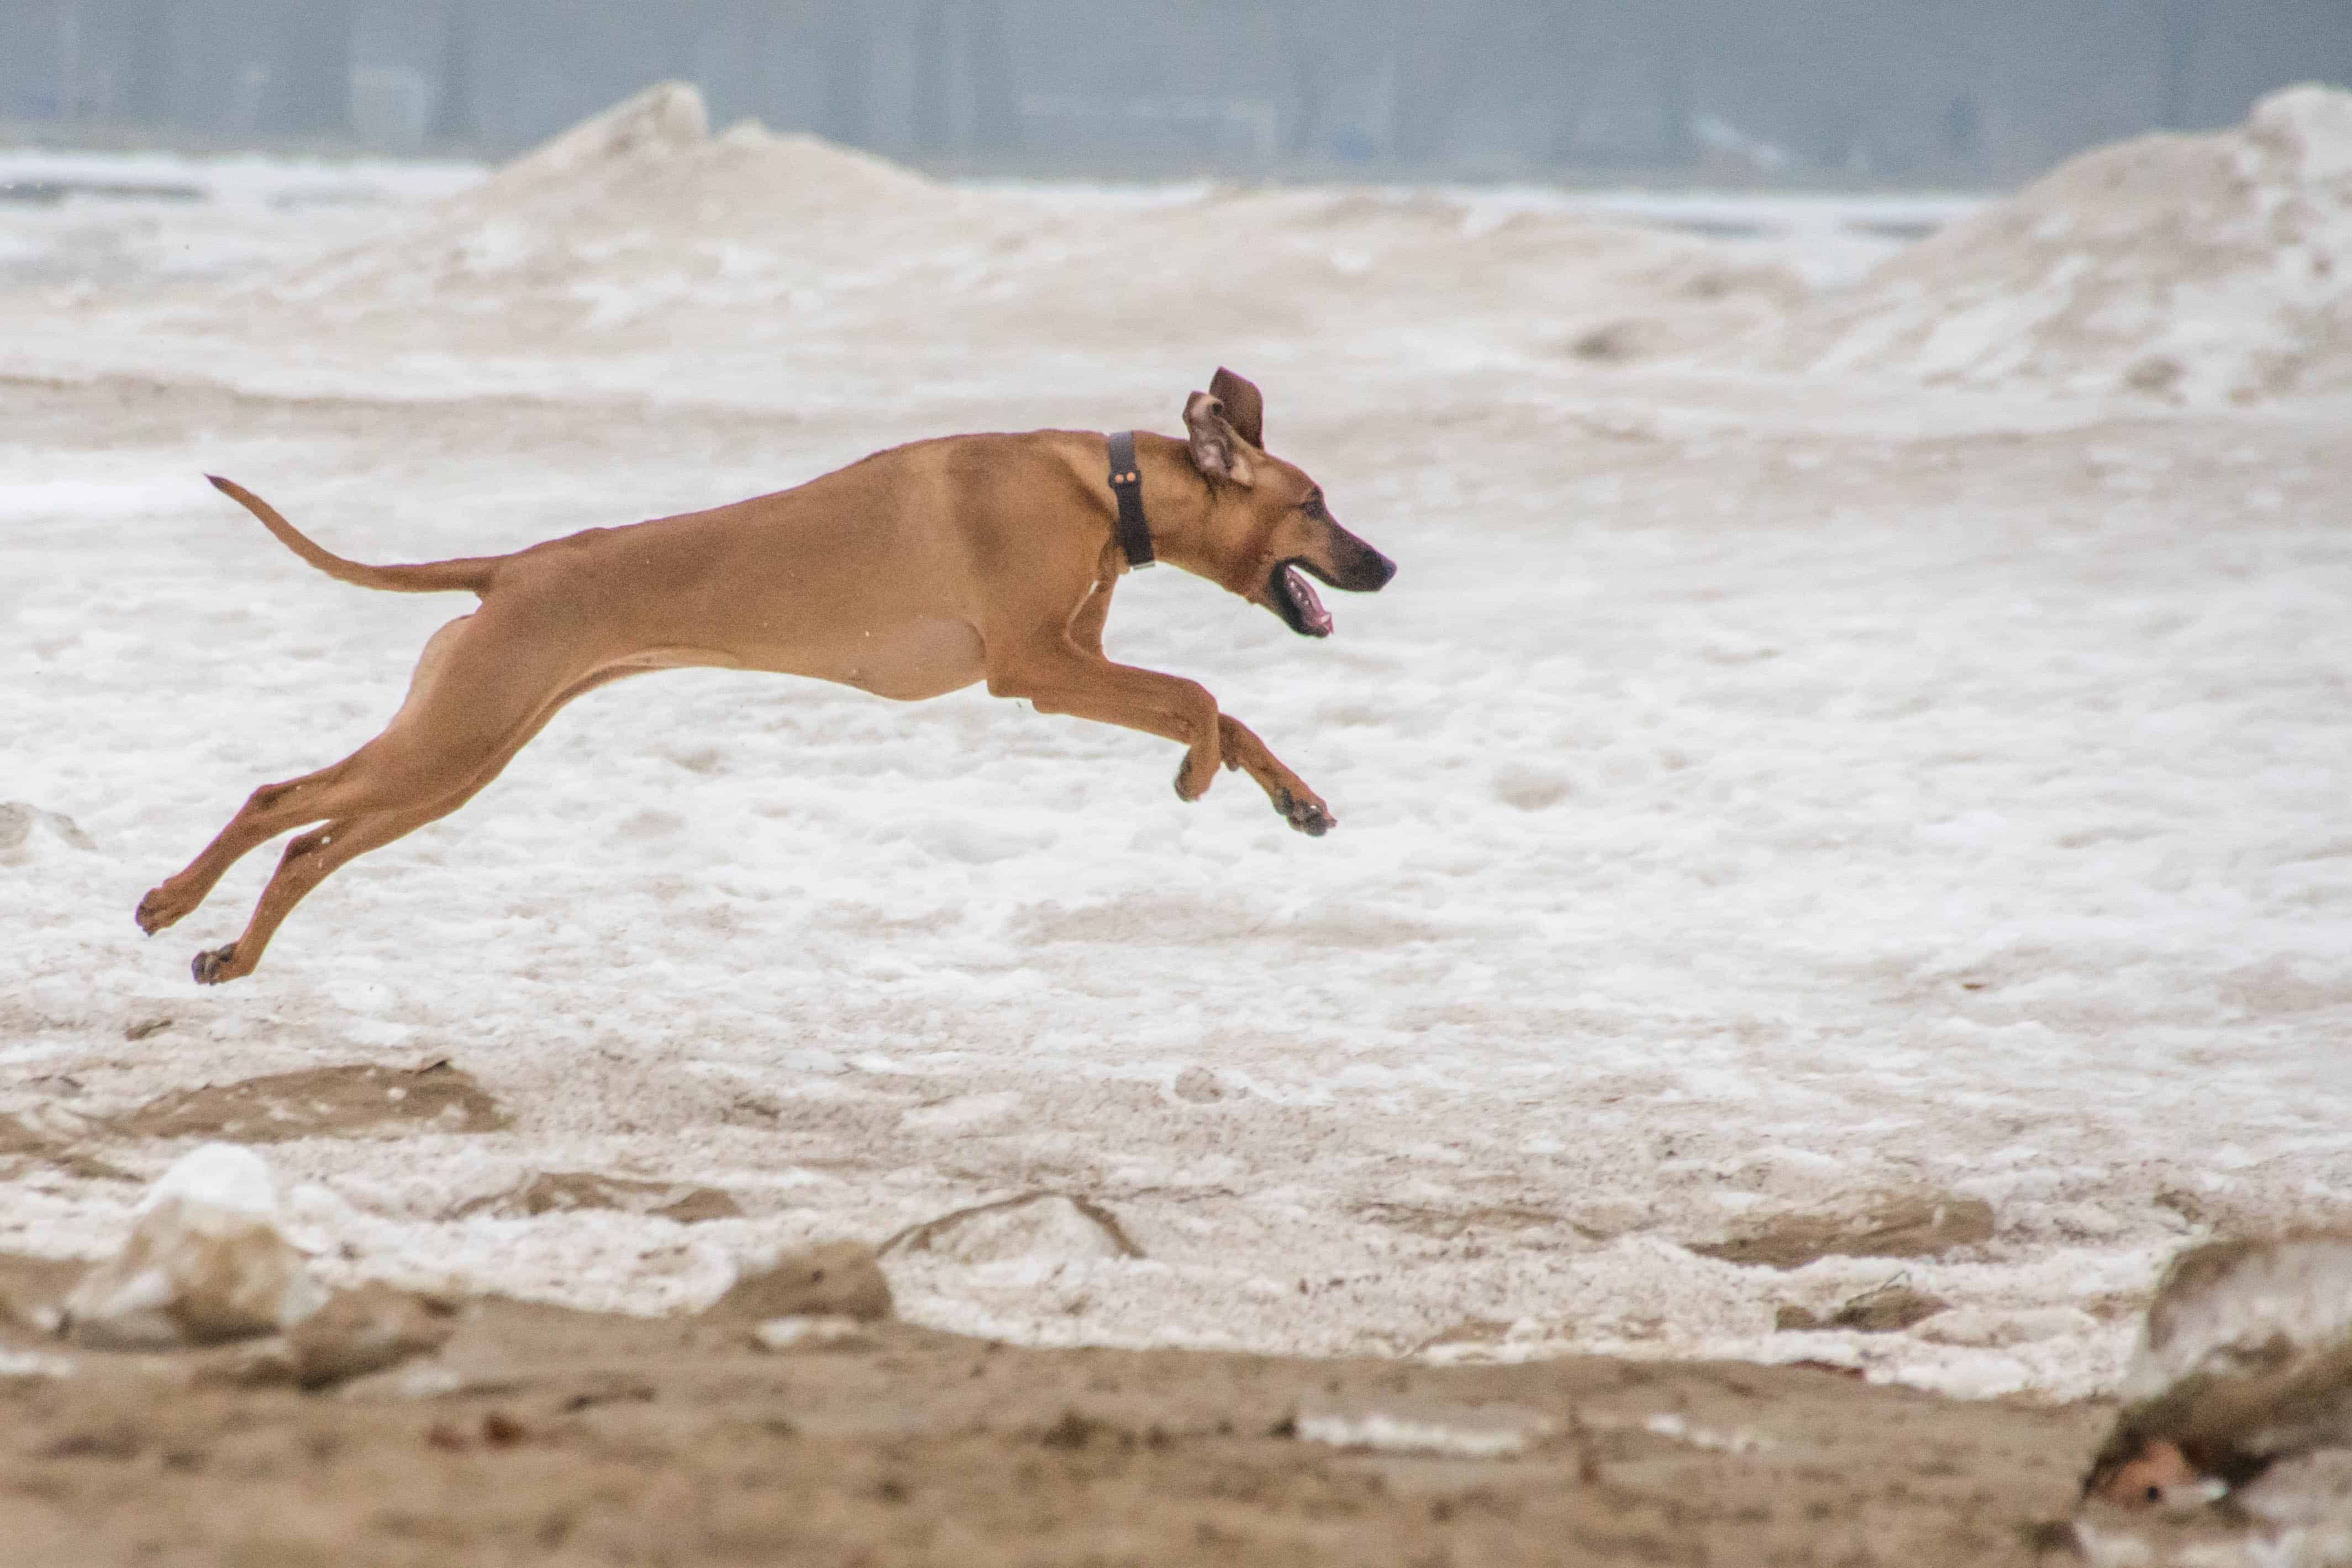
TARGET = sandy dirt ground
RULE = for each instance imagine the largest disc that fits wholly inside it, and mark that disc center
(585, 1438)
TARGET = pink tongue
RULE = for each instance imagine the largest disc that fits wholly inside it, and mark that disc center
(1316, 616)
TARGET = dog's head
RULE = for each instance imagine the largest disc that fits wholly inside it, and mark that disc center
(1268, 522)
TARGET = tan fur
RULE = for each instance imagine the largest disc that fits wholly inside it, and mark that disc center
(913, 572)
(2143, 1479)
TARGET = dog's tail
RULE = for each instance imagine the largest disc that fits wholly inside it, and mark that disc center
(473, 573)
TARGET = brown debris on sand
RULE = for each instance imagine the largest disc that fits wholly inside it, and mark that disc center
(1058, 1223)
(1882, 1224)
(1886, 1310)
(836, 1279)
(365, 1330)
(562, 1191)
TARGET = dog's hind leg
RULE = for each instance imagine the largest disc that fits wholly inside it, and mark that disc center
(308, 860)
(266, 812)
(275, 808)
(312, 856)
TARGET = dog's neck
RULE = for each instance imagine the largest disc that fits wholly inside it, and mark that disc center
(1179, 502)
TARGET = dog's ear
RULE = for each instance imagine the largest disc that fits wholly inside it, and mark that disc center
(1218, 449)
(1243, 405)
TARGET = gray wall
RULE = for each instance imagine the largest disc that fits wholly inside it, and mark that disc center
(1798, 89)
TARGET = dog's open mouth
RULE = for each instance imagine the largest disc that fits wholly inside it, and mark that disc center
(1295, 602)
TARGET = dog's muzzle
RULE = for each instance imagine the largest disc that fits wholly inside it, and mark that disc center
(1355, 568)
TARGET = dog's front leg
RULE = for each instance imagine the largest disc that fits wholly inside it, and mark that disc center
(1064, 679)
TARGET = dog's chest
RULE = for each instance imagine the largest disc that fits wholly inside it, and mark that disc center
(908, 661)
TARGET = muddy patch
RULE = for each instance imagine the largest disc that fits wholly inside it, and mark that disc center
(1447, 1223)
(1893, 1225)
(50, 1138)
(562, 1192)
(835, 1280)
(31, 1287)
(1887, 1309)
(26, 1133)
(320, 1102)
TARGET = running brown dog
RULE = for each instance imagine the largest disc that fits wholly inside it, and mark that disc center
(911, 573)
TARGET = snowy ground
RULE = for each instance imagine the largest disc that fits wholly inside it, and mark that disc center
(1756, 794)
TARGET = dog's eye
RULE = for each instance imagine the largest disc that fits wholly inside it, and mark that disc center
(1313, 505)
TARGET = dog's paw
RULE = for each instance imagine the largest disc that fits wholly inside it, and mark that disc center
(207, 965)
(156, 910)
(161, 908)
(1304, 813)
(1192, 781)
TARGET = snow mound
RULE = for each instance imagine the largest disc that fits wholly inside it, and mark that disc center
(18, 826)
(639, 228)
(2199, 268)
(619, 219)
(669, 117)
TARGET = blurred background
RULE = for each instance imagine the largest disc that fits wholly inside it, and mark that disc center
(1786, 92)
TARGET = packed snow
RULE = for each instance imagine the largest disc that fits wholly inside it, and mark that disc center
(1760, 788)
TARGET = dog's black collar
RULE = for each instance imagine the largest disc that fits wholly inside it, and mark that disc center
(1127, 484)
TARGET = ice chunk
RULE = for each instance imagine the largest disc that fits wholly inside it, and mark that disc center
(206, 1261)
(1420, 1427)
